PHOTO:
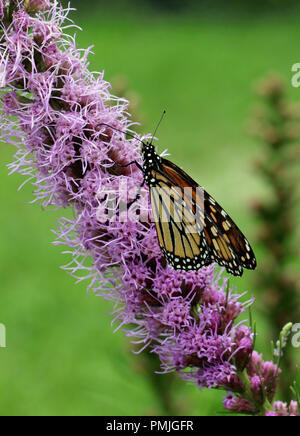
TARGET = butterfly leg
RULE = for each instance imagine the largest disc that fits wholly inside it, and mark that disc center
(137, 195)
(141, 186)
(134, 162)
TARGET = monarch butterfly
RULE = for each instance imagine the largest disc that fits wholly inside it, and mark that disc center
(197, 231)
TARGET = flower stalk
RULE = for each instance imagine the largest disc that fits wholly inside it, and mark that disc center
(164, 387)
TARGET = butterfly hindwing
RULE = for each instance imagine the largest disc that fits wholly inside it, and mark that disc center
(231, 234)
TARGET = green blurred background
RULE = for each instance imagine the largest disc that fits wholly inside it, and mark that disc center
(200, 64)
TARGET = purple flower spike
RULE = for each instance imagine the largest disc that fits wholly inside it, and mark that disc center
(54, 111)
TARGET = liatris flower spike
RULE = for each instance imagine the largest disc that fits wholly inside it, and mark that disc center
(52, 107)
(276, 125)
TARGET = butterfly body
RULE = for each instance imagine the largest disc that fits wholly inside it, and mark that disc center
(151, 162)
(192, 228)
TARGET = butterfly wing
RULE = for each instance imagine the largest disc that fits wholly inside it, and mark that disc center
(193, 229)
(231, 234)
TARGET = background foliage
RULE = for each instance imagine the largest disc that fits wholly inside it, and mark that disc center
(201, 6)
(62, 356)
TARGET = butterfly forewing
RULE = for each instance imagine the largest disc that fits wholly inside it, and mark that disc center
(182, 244)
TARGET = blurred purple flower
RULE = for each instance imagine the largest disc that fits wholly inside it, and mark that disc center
(283, 409)
(53, 108)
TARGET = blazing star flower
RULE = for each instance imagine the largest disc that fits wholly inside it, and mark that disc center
(53, 112)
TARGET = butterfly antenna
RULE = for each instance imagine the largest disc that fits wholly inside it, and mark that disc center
(159, 123)
(121, 131)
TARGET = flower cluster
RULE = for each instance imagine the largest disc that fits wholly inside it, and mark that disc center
(53, 111)
(283, 409)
